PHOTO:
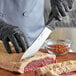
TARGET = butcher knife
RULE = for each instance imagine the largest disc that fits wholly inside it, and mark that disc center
(33, 49)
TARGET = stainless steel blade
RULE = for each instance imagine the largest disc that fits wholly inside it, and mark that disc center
(33, 49)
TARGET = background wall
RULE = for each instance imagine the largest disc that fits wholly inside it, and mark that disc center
(64, 33)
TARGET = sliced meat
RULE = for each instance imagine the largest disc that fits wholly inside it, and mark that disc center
(38, 63)
(58, 69)
(12, 62)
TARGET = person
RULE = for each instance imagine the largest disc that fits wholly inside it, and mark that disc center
(21, 21)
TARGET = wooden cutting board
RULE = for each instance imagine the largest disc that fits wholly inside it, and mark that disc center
(69, 56)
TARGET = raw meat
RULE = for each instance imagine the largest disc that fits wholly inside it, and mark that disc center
(66, 68)
(38, 63)
(12, 62)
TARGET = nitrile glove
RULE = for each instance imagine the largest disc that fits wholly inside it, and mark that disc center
(59, 8)
(13, 34)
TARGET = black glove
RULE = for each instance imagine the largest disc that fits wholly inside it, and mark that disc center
(59, 8)
(13, 34)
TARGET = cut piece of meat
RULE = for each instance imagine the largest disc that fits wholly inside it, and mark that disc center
(12, 62)
(58, 69)
(38, 63)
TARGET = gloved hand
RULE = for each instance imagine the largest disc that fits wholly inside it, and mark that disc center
(59, 8)
(13, 34)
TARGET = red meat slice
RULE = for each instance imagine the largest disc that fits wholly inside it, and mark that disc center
(12, 62)
(38, 63)
(67, 68)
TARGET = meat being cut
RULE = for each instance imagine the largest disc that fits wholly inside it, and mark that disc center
(12, 62)
(67, 68)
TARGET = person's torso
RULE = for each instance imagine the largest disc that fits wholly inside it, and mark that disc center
(28, 15)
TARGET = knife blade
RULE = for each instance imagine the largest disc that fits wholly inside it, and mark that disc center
(33, 49)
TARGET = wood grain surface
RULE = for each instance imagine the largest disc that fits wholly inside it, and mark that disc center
(69, 56)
